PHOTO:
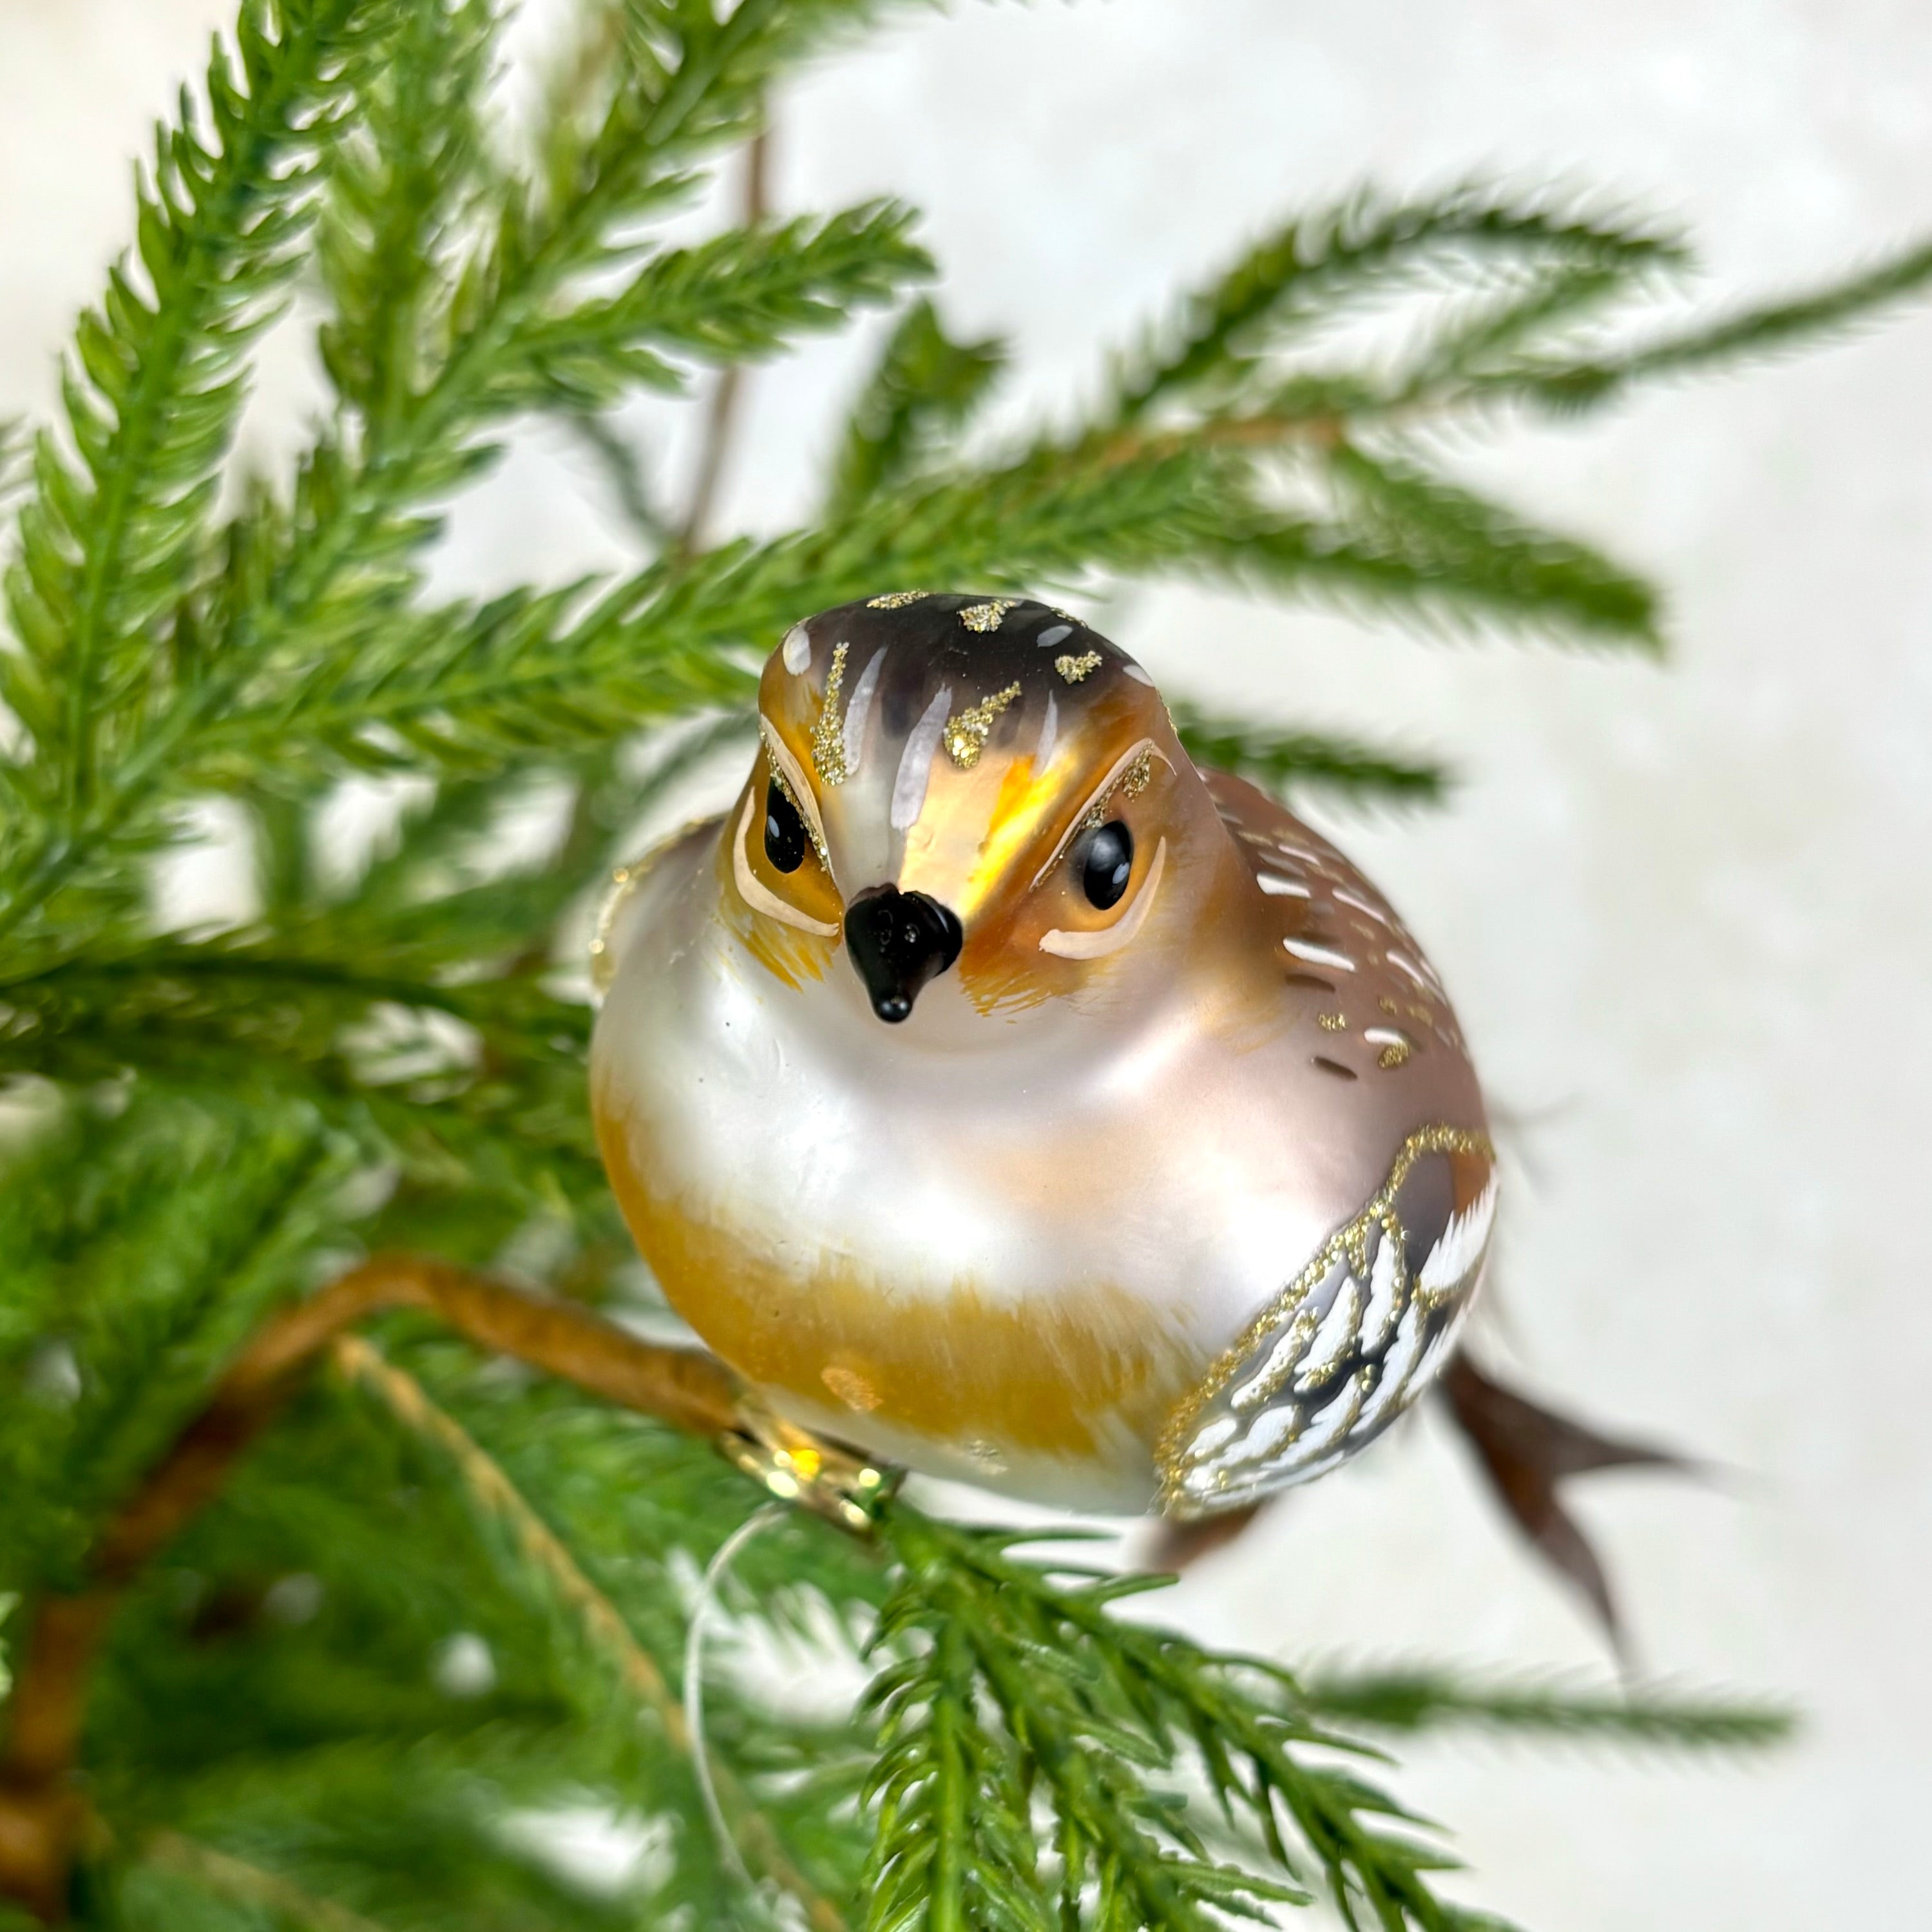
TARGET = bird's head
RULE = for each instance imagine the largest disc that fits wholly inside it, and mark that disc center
(973, 792)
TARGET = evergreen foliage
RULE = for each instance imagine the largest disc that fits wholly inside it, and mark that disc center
(441, 1597)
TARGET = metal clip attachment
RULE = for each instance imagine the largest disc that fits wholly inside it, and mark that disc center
(827, 1478)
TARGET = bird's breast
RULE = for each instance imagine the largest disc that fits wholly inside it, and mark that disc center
(1009, 1248)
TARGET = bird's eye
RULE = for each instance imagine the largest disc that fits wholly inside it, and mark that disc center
(785, 831)
(1109, 860)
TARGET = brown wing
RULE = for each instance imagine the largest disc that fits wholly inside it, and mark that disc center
(1364, 1326)
(1378, 1000)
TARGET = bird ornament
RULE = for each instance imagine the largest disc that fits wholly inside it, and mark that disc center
(1006, 1097)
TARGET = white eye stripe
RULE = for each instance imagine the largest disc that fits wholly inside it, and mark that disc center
(859, 708)
(916, 761)
(1049, 733)
(1111, 938)
(753, 890)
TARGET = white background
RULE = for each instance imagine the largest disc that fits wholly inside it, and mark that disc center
(1684, 911)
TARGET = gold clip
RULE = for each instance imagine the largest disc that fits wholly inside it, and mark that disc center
(827, 1478)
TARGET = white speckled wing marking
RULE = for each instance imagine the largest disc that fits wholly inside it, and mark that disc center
(1337, 934)
(1346, 1347)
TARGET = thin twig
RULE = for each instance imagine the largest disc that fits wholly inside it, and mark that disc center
(603, 1622)
(721, 418)
(41, 1815)
(406, 1397)
(1325, 431)
(249, 1883)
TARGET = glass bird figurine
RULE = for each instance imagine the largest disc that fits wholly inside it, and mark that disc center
(1009, 1098)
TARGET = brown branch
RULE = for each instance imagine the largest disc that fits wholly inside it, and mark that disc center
(1326, 431)
(721, 418)
(41, 1814)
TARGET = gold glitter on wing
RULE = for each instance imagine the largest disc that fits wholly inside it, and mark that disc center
(895, 600)
(1347, 1247)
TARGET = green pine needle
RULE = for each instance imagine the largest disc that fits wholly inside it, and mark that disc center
(1285, 762)
(1318, 267)
(158, 375)
(926, 386)
(1425, 1698)
(1840, 308)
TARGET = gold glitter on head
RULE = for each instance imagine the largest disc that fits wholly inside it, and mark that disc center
(1130, 783)
(987, 616)
(828, 735)
(1074, 669)
(895, 600)
(967, 731)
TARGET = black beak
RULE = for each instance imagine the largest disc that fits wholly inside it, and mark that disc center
(898, 941)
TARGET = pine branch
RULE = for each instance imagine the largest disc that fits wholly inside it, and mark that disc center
(1425, 1698)
(356, 1017)
(156, 381)
(469, 691)
(1313, 269)
(160, 1241)
(405, 182)
(926, 388)
(1450, 551)
(1762, 331)
(1085, 1697)
(41, 1817)
(1282, 762)
(954, 1847)
(741, 296)
(540, 1547)
(690, 83)
(1480, 337)
(362, 1363)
